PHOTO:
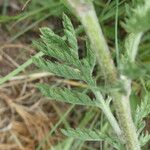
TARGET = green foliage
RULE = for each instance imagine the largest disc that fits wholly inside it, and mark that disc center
(58, 69)
(144, 138)
(66, 95)
(85, 134)
(4, 19)
(128, 66)
(90, 135)
(90, 59)
(131, 45)
(57, 46)
(70, 33)
(138, 19)
(68, 64)
(142, 111)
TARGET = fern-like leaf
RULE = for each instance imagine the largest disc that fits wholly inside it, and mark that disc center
(90, 57)
(142, 111)
(70, 33)
(66, 95)
(68, 64)
(58, 69)
(144, 138)
(57, 47)
(89, 135)
(85, 134)
(72, 67)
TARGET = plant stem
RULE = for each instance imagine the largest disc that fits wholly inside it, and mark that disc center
(85, 11)
(125, 112)
(106, 110)
(122, 106)
(89, 20)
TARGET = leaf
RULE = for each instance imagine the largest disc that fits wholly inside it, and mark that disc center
(89, 135)
(144, 138)
(70, 33)
(91, 57)
(41, 46)
(138, 19)
(66, 95)
(131, 45)
(85, 134)
(57, 47)
(142, 111)
(88, 64)
(58, 69)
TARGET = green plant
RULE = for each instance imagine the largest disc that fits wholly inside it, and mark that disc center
(68, 65)
(72, 68)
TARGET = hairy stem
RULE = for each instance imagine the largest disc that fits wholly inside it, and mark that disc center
(122, 105)
(85, 11)
(106, 109)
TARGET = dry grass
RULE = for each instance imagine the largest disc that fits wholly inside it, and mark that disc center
(26, 117)
(24, 123)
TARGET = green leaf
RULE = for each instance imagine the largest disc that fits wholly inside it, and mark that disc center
(142, 111)
(58, 69)
(66, 95)
(91, 57)
(41, 46)
(72, 67)
(89, 135)
(144, 138)
(138, 19)
(85, 134)
(131, 45)
(57, 47)
(5, 18)
(70, 33)
(88, 64)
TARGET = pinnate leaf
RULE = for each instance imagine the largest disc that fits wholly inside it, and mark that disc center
(66, 95)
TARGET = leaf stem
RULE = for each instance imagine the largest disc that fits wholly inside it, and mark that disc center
(107, 111)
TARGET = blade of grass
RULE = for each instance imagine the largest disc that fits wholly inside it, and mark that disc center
(116, 33)
(37, 11)
(30, 26)
(20, 68)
